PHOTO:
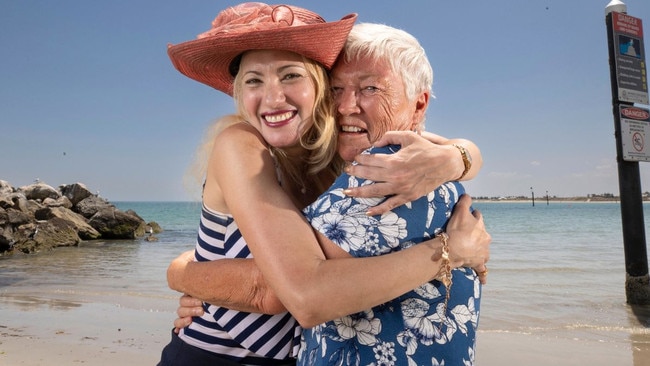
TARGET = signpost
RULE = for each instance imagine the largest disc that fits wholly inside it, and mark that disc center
(631, 129)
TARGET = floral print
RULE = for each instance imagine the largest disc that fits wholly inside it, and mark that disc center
(413, 329)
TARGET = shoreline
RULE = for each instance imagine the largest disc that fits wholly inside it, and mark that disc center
(134, 337)
(542, 201)
(104, 331)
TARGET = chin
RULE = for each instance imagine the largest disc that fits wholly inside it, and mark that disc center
(347, 155)
(349, 148)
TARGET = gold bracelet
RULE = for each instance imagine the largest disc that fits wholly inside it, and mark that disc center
(445, 265)
(467, 160)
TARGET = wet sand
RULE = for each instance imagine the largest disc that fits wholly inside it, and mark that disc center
(90, 334)
(109, 334)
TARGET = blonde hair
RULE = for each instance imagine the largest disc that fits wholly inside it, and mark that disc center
(320, 165)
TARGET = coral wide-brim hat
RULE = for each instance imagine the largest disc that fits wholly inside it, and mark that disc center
(258, 26)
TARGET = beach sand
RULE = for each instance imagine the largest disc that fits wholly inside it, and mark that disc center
(87, 334)
(530, 349)
(104, 334)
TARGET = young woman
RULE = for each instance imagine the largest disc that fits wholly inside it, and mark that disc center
(265, 57)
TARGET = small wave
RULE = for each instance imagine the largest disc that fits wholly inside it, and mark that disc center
(26, 302)
(609, 328)
(504, 331)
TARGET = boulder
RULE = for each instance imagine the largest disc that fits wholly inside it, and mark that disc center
(45, 235)
(5, 188)
(39, 191)
(4, 217)
(28, 206)
(153, 227)
(151, 238)
(6, 240)
(63, 201)
(78, 222)
(75, 192)
(18, 201)
(6, 231)
(115, 224)
(10, 200)
(89, 206)
(17, 218)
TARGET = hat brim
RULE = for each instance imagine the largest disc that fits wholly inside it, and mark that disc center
(207, 60)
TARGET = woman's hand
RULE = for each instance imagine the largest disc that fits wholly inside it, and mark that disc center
(416, 169)
(469, 242)
(188, 307)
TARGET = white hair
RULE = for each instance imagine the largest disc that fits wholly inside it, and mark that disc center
(400, 49)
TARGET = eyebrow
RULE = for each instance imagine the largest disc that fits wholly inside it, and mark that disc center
(297, 64)
(376, 79)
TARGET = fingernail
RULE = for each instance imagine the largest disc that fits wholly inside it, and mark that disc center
(347, 192)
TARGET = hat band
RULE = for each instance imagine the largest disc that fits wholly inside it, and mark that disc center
(280, 16)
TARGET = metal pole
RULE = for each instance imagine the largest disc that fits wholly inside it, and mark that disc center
(532, 193)
(637, 282)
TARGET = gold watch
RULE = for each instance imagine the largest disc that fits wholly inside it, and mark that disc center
(467, 160)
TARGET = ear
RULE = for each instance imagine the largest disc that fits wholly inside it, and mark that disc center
(421, 105)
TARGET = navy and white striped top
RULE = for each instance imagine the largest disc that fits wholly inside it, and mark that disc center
(236, 335)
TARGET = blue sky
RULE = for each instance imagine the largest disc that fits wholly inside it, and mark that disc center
(88, 94)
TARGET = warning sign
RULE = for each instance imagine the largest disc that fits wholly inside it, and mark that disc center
(631, 75)
(635, 127)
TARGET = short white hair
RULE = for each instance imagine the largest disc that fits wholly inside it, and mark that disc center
(399, 48)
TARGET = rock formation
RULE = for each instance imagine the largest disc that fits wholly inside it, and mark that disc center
(39, 217)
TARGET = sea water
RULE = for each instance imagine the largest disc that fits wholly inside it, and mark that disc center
(558, 267)
(555, 269)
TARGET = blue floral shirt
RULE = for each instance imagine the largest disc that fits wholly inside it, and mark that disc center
(413, 329)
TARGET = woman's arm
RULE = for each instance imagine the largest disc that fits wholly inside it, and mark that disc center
(422, 164)
(239, 285)
(289, 256)
(234, 283)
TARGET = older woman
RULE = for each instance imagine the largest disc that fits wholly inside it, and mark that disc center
(382, 82)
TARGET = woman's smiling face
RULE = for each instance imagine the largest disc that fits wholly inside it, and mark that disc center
(277, 95)
(371, 100)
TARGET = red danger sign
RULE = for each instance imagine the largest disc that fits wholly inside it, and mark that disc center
(624, 23)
